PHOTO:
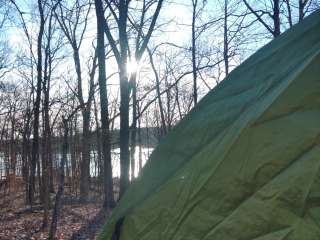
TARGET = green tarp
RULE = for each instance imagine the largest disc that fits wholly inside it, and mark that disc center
(244, 164)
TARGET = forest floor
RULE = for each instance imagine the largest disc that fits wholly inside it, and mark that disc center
(76, 221)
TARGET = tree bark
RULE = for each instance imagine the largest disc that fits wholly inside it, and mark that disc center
(302, 4)
(124, 99)
(85, 161)
(193, 51)
(124, 132)
(98, 136)
(134, 124)
(225, 39)
(276, 18)
(106, 146)
(57, 206)
(35, 142)
(121, 56)
(163, 120)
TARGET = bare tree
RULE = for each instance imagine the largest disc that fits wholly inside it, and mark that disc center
(122, 54)
(36, 110)
(164, 127)
(50, 51)
(274, 15)
(73, 22)
(276, 11)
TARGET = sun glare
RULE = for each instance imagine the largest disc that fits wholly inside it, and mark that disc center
(132, 66)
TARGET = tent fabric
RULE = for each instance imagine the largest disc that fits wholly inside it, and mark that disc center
(244, 163)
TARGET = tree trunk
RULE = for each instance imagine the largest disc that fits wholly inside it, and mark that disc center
(57, 206)
(35, 143)
(163, 120)
(98, 136)
(134, 124)
(45, 154)
(85, 147)
(73, 149)
(193, 51)
(106, 146)
(124, 99)
(25, 154)
(46, 131)
(225, 39)
(302, 4)
(140, 143)
(124, 132)
(276, 18)
(85, 161)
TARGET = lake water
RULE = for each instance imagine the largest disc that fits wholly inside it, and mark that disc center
(115, 155)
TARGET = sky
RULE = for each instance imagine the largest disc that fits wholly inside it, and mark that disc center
(178, 32)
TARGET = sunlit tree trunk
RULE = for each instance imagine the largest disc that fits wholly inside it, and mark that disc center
(121, 56)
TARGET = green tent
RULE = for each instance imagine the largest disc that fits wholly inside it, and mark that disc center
(244, 164)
